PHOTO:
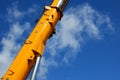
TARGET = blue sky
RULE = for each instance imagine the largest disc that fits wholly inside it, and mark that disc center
(86, 46)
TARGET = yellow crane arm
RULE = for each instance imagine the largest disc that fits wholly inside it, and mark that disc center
(34, 45)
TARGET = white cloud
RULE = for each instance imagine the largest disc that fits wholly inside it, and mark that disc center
(9, 42)
(78, 25)
(14, 13)
(10, 45)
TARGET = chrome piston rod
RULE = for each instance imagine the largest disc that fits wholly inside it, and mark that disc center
(62, 3)
(33, 77)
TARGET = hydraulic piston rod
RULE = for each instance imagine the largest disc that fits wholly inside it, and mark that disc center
(60, 4)
(33, 77)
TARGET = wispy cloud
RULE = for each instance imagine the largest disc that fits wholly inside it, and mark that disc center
(10, 42)
(10, 45)
(78, 25)
(13, 13)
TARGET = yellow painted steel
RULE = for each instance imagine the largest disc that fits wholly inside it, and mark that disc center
(34, 44)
